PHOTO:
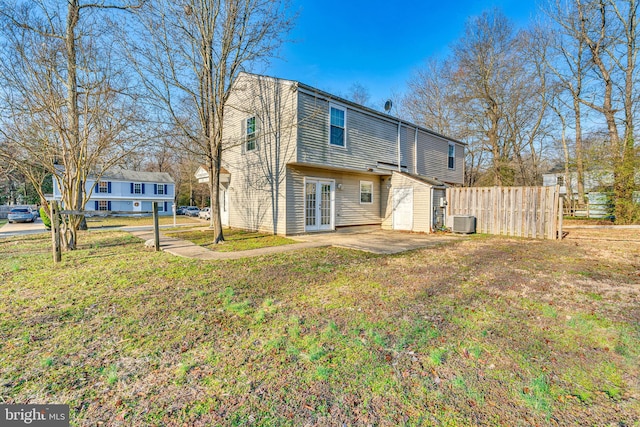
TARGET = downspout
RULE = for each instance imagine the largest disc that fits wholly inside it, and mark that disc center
(431, 207)
(415, 153)
(399, 154)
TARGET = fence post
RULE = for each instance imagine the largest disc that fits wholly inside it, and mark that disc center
(156, 228)
(55, 233)
(560, 217)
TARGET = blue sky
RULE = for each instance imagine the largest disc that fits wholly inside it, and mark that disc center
(377, 43)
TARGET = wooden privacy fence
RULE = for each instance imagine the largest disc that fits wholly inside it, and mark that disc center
(534, 212)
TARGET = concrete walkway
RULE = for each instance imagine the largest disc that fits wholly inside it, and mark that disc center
(186, 249)
(369, 240)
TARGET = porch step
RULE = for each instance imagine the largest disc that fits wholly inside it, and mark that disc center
(358, 228)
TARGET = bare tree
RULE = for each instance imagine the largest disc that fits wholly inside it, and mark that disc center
(65, 106)
(489, 93)
(193, 53)
(359, 94)
(607, 31)
(565, 57)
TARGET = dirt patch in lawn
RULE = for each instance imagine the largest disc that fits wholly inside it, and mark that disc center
(235, 239)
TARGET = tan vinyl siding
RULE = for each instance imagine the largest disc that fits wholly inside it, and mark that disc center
(432, 159)
(368, 139)
(348, 209)
(257, 188)
(421, 203)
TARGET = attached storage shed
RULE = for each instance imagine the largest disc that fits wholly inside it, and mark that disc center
(412, 203)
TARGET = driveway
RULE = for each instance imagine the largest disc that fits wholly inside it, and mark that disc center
(22, 228)
(379, 241)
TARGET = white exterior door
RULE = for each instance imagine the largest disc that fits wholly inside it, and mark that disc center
(224, 207)
(319, 209)
(403, 209)
(137, 206)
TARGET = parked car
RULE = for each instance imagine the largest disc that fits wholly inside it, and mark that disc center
(205, 214)
(191, 211)
(180, 210)
(20, 215)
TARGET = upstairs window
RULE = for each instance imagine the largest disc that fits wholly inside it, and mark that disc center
(337, 126)
(452, 156)
(137, 188)
(104, 187)
(160, 189)
(366, 192)
(251, 134)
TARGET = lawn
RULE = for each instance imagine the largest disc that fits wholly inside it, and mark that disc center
(235, 240)
(121, 221)
(481, 331)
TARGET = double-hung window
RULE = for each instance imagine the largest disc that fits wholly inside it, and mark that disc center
(452, 156)
(103, 205)
(251, 134)
(103, 187)
(137, 188)
(337, 125)
(366, 192)
(160, 189)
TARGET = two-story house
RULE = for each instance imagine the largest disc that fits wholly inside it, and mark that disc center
(302, 160)
(127, 191)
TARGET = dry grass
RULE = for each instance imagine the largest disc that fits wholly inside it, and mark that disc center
(486, 331)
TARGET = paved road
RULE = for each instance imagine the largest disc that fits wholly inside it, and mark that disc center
(22, 228)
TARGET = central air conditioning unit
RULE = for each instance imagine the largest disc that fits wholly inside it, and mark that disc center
(465, 224)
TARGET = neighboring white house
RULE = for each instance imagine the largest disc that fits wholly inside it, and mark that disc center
(126, 190)
(302, 160)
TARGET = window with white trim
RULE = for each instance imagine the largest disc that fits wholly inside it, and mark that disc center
(337, 125)
(103, 187)
(160, 204)
(251, 134)
(160, 189)
(103, 205)
(452, 156)
(366, 192)
(137, 188)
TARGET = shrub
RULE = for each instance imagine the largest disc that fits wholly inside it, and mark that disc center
(45, 218)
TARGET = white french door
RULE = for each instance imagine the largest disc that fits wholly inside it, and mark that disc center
(318, 204)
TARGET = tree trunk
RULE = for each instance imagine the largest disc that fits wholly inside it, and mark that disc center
(73, 12)
(579, 151)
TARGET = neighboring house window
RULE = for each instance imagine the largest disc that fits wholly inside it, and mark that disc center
(160, 205)
(560, 180)
(104, 187)
(160, 189)
(452, 156)
(251, 133)
(337, 126)
(366, 192)
(103, 205)
(137, 188)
